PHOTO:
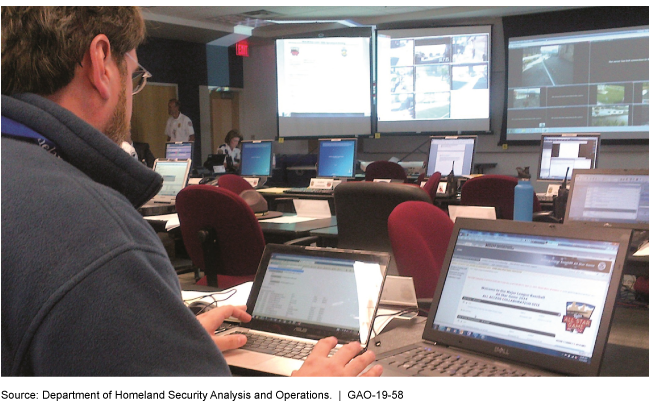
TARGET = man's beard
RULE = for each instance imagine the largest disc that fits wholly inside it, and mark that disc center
(119, 126)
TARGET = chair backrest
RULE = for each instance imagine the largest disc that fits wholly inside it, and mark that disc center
(385, 170)
(239, 242)
(420, 233)
(234, 183)
(432, 185)
(494, 191)
(362, 210)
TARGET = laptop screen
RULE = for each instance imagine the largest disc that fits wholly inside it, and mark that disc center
(256, 158)
(181, 151)
(443, 151)
(617, 198)
(318, 295)
(517, 294)
(174, 174)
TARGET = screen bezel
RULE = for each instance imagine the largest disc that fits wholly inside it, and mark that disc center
(619, 172)
(185, 143)
(354, 158)
(549, 362)
(243, 147)
(594, 162)
(453, 138)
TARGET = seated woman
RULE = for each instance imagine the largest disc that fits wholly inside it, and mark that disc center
(229, 148)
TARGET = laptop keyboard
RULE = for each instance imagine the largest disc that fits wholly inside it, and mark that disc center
(285, 348)
(428, 361)
(309, 191)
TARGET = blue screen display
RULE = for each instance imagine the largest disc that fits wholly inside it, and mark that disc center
(181, 151)
(336, 158)
(256, 158)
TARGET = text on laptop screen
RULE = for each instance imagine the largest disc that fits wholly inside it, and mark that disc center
(445, 151)
(559, 152)
(174, 174)
(256, 158)
(332, 294)
(182, 151)
(617, 199)
(337, 158)
(544, 294)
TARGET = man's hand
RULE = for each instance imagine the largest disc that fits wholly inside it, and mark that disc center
(342, 364)
(212, 319)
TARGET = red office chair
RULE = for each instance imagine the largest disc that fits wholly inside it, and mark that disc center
(234, 183)
(494, 191)
(432, 185)
(221, 234)
(419, 234)
(385, 170)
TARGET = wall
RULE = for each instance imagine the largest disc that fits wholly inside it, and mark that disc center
(259, 109)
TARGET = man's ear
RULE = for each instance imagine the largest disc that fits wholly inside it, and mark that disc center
(102, 67)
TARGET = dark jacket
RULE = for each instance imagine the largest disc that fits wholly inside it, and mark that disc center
(87, 287)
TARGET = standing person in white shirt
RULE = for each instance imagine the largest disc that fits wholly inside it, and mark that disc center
(179, 127)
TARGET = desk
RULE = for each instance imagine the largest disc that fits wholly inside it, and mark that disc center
(273, 197)
(327, 236)
(626, 352)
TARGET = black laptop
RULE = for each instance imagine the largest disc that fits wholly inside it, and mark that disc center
(518, 299)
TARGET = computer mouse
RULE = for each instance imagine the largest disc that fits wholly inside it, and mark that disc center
(200, 307)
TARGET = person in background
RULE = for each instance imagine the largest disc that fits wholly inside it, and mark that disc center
(179, 127)
(87, 286)
(231, 150)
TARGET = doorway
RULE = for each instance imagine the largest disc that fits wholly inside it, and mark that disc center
(224, 115)
(150, 116)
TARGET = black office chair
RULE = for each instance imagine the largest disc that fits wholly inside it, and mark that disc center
(362, 211)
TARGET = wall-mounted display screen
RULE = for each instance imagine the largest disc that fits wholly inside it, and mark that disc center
(433, 79)
(323, 86)
(594, 81)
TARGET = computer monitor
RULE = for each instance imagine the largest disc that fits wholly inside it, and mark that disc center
(180, 150)
(609, 197)
(562, 151)
(256, 157)
(337, 157)
(443, 151)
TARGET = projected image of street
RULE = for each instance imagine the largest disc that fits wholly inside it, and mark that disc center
(470, 49)
(402, 106)
(431, 54)
(432, 105)
(401, 52)
(401, 79)
(526, 98)
(608, 94)
(469, 77)
(548, 65)
(603, 116)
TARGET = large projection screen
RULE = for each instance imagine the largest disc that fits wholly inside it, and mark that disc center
(579, 82)
(323, 86)
(433, 80)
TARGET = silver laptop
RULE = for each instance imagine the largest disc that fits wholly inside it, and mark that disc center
(518, 298)
(609, 198)
(175, 174)
(303, 294)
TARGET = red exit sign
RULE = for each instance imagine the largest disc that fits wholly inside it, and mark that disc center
(241, 49)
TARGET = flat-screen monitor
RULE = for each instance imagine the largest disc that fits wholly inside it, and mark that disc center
(447, 151)
(324, 86)
(579, 82)
(337, 157)
(256, 157)
(434, 79)
(572, 151)
(179, 150)
(609, 197)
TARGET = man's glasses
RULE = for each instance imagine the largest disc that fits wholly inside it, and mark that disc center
(140, 76)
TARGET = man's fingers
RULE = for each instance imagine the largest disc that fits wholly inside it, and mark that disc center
(323, 347)
(225, 343)
(358, 364)
(212, 319)
(375, 371)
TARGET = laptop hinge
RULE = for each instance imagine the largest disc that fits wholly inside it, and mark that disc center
(208, 239)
